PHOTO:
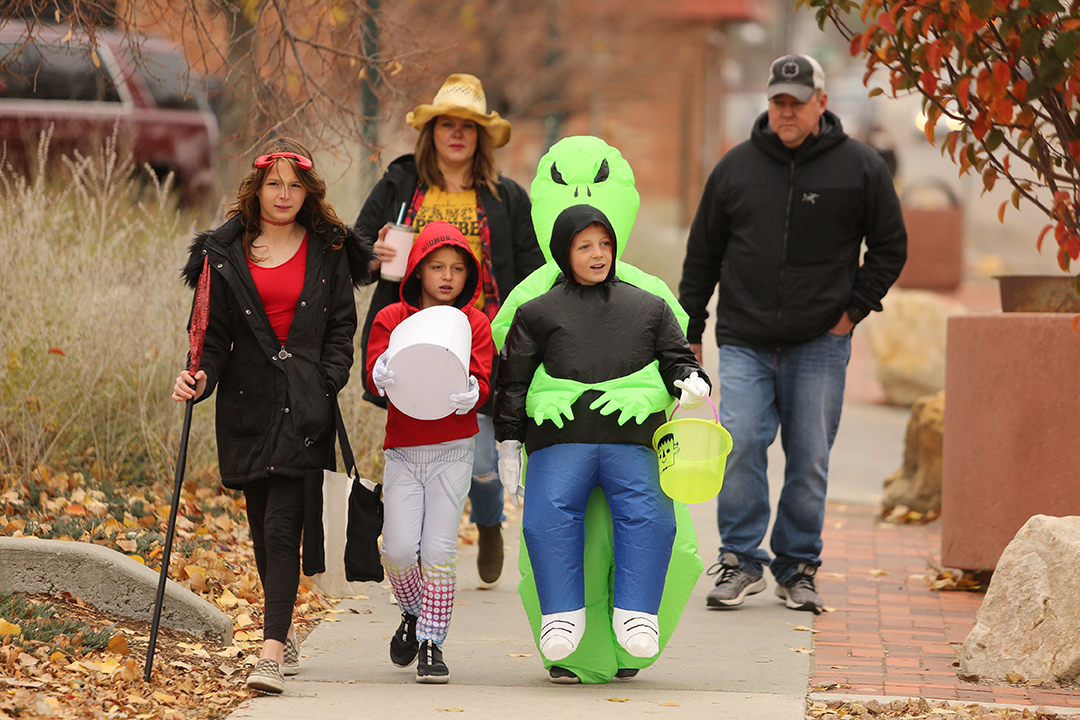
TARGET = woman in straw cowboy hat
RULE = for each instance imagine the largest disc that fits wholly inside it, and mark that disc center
(453, 176)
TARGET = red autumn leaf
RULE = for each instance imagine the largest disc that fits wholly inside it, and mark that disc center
(1072, 242)
(856, 45)
(1063, 259)
(962, 91)
(980, 126)
(933, 55)
(1074, 149)
(1019, 90)
(909, 18)
(929, 82)
(1003, 110)
(56, 351)
(886, 23)
(1002, 72)
(1001, 212)
(950, 143)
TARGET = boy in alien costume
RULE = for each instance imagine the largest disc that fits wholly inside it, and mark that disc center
(587, 171)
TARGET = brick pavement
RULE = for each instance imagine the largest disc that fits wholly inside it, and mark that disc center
(889, 633)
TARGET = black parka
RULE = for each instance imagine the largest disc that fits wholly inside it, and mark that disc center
(274, 411)
(781, 232)
(514, 250)
(587, 334)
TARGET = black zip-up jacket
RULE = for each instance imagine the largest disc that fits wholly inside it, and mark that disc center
(781, 231)
(514, 250)
(589, 334)
(274, 411)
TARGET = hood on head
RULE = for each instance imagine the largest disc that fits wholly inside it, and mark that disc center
(434, 236)
(569, 223)
(583, 170)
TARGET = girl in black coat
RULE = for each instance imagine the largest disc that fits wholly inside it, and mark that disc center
(279, 347)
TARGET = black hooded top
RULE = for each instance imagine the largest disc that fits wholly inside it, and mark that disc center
(781, 232)
(589, 334)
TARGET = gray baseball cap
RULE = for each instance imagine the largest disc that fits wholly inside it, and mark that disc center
(799, 76)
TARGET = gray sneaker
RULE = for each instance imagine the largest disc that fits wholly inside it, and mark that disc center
(734, 583)
(291, 666)
(799, 593)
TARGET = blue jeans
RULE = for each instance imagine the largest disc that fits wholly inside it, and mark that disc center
(560, 480)
(486, 491)
(801, 392)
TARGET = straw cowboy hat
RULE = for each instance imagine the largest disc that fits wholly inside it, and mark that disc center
(462, 96)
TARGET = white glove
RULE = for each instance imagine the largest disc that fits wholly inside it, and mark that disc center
(463, 402)
(510, 468)
(694, 391)
(380, 375)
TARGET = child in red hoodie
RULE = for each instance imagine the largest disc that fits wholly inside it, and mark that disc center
(428, 463)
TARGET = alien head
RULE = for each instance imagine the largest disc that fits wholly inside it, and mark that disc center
(583, 170)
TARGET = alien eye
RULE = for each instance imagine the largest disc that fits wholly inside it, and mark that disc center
(602, 173)
(556, 175)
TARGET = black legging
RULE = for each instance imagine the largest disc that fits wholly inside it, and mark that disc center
(275, 510)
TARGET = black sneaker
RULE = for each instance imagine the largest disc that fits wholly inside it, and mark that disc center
(734, 583)
(625, 673)
(403, 645)
(799, 593)
(431, 668)
(562, 676)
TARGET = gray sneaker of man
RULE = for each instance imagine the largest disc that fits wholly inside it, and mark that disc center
(799, 592)
(734, 583)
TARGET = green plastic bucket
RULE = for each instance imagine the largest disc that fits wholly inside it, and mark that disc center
(692, 454)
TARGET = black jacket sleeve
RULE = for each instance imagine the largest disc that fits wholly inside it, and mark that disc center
(677, 360)
(518, 361)
(527, 253)
(886, 243)
(705, 248)
(337, 342)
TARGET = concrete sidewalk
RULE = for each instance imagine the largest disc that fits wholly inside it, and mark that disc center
(750, 662)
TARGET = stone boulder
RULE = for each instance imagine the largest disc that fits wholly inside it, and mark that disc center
(907, 343)
(1027, 624)
(917, 483)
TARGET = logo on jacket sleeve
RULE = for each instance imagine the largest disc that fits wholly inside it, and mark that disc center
(810, 198)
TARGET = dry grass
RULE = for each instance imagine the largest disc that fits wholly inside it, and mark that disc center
(92, 326)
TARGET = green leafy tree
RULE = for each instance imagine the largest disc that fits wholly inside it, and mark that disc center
(1004, 73)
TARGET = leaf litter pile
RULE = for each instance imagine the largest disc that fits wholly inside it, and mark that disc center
(62, 658)
(923, 709)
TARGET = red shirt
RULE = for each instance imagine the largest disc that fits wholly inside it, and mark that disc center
(279, 287)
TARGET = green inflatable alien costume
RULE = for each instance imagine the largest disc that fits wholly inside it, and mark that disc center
(586, 170)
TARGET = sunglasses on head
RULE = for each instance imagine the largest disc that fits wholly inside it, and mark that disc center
(265, 161)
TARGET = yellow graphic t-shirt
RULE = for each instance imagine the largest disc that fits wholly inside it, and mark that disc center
(458, 209)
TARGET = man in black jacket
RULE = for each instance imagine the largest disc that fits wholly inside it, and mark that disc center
(779, 228)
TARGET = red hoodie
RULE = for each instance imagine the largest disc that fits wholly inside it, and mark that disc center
(405, 431)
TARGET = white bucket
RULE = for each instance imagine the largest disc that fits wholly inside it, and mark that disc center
(429, 354)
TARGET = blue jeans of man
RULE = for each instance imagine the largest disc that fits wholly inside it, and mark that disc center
(800, 392)
(486, 491)
(560, 480)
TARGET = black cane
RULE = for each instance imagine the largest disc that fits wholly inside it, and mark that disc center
(181, 462)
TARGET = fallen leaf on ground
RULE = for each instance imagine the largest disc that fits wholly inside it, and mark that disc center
(118, 645)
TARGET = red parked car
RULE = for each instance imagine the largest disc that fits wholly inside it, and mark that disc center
(84, 93)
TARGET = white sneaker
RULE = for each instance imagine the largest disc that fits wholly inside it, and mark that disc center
(560, 633)
(637, 632)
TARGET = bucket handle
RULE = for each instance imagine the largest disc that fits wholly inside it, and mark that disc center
(711, 403)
